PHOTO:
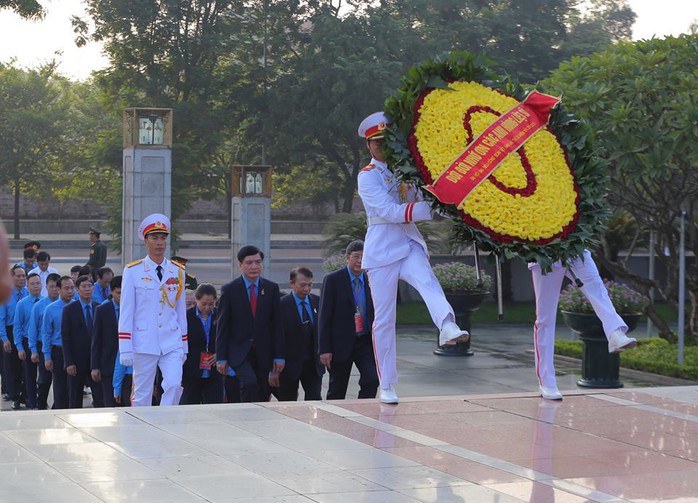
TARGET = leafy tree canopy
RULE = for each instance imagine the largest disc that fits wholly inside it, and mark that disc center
(640, 98)
(29, 9)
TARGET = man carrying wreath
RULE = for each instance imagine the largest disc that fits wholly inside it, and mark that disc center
(394, 249)
(153, 317)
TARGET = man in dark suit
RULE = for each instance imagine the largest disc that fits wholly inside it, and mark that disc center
(299, 315)
(202, 384)
(344, 328)
(105, 341)
(77, 322)
(249, 335)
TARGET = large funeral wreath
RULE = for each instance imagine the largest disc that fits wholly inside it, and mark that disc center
(545, 202)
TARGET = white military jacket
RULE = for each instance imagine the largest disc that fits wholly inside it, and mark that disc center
(392, 208)
(152, 314)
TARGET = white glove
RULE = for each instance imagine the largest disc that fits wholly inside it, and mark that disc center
(126, 359)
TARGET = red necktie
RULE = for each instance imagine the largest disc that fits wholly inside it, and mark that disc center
(253, 299)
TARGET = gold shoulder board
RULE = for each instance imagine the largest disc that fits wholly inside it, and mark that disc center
(135, 262)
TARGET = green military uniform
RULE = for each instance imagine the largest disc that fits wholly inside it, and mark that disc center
(98, 253)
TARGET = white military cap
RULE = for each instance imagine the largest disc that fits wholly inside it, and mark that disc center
(373, 126)
(155, 222)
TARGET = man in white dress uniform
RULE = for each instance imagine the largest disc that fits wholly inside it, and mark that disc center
(153, 319)
(394, 249)
(547, 291)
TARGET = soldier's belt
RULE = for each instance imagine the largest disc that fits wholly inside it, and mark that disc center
(381, 221)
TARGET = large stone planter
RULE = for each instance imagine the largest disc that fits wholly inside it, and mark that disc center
(464, 305)
(600, 369)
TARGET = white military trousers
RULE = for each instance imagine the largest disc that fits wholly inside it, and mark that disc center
(144, 370)
(547, 291)
(415, 270)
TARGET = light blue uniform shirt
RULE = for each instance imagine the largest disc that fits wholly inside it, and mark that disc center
(37, 318)
(100, 294)
(23, 314)
(309, 308)
(51, 327)
(7, 311)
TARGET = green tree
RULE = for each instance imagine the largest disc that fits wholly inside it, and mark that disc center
(31, 110)
(349, 64)
(28, 9)
(640, 98)
(166, 54)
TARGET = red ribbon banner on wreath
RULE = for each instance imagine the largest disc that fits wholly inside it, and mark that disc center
(486, 152)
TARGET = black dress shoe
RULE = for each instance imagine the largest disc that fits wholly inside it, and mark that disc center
(5, 397)
(16, 405)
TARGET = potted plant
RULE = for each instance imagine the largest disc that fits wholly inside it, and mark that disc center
(600, 369)
(465, 293)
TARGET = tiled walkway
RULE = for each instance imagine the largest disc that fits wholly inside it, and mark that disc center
(612, 446)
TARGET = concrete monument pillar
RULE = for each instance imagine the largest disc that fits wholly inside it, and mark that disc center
(251, 212)
(147, 173)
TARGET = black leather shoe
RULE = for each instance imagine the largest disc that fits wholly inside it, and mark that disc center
(5, 397)
(16, 405)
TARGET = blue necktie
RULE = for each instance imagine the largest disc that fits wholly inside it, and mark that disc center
(88, 317)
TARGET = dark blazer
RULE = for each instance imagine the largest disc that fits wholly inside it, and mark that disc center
(105, 339)
(336, 329)
(237, 329)
(197, 343)
(76, 340)
(295, 339)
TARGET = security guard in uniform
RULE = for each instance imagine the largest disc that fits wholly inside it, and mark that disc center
(394, 249)
(98, 253)
(190, 283)
(153, 319)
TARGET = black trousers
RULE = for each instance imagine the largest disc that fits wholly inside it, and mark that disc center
(14, 371)
(107, 385)
(126, 388)
(43, 382)
(254, 381)
(309, 379)
(202, 389)
(77, 383)
(30, 370)
(232, 389)
(60, 379)
(363, 357)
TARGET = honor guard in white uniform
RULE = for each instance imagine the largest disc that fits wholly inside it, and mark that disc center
(547, 291)
(394, 249)
(153, 319)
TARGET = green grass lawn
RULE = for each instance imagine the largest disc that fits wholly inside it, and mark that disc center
(651, 355)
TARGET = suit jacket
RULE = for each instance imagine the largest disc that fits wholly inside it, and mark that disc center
(237, 329)
(336, 330)
(295, 336)
(105, 339)
(76, 339)
(197, 343)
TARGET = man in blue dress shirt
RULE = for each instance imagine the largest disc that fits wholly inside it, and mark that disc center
(53, 344)
(101, 287)
(21, 337)
(41, 387)
(12, 368)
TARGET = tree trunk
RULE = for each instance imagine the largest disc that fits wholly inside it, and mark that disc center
(16, 216)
